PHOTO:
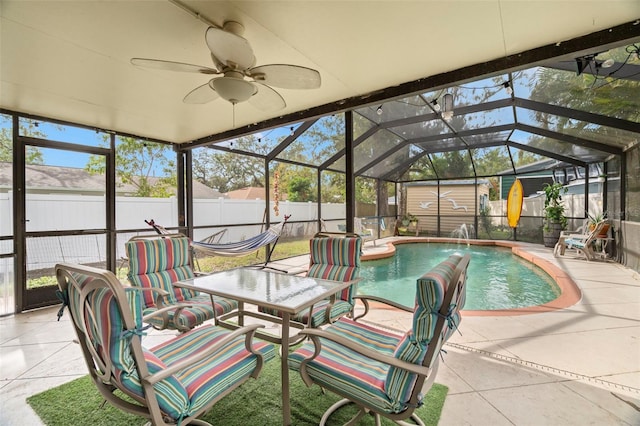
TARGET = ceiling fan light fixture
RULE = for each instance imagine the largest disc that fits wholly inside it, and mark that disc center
(233, 89)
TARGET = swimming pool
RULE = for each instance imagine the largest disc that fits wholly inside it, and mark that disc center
(497, 279)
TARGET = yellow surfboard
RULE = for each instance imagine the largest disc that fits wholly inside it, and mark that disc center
(514, 203)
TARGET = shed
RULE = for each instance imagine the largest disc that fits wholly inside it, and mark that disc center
(461, 199)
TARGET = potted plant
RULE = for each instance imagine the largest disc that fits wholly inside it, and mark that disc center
(555, 220)
(594, 219)
(409, 218)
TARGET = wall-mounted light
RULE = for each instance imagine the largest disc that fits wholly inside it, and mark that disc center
(291, 130)
(436, 105)
(608, 63)
(447, 107)
(590, 61)
(379, 110)
(508, 88)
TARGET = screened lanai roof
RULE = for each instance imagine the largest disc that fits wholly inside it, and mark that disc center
(70, 61)
(495, 125)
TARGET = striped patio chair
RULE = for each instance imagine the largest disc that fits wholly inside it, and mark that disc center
(380, 371)
(336, 257)
(172, 383)
(158, 262)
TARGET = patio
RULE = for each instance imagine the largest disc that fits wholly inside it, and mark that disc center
(579, 365)
(542, 91)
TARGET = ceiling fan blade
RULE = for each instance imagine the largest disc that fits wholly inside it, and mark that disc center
(201, 95)
(230, 49)
(286, 76)
(172, 66)
(267, 99)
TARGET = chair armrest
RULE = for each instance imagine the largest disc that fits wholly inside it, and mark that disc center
(365, 301)
(315, 334)
(248, 330)
(332, 300)
(162, 309)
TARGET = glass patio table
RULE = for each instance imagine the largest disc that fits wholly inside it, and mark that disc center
(289, 294)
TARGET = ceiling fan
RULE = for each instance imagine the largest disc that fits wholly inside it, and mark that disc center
(239, 79)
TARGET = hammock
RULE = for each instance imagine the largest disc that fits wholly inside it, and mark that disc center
(240, 248)
(161, 230)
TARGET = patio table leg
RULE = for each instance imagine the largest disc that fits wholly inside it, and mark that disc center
(284, 369)
(241, 314)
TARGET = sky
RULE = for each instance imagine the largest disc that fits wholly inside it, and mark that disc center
(68, 134)
(86, 137)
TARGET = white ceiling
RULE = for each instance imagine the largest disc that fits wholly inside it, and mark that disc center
(69, 60)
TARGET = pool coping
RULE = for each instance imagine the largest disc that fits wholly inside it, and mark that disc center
(570, 293)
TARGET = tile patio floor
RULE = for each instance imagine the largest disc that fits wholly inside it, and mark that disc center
(574, 366)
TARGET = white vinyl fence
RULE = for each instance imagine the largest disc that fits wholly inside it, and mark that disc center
(57, 212)
(534, 206)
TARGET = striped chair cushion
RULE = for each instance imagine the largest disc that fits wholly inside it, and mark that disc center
(430, 291)
(73, 294)
(319, 315)
(399, 383)
(157, 254)
(336, 259)
(337, 273)
(187, 391)
(343, 303)
(199, 311)
(212, 376)
(335, 251)
(164, 280)
(351, 373)
(158, 263)
(109, 332)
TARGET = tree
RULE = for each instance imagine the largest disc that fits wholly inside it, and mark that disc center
(607, 96)
(300, 188)
(27, 128)
(333, 187)
(137, 163)
(453, 164)
(228, 171)
(366, 190)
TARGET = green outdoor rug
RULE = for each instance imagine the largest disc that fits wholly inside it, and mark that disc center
(256, 403)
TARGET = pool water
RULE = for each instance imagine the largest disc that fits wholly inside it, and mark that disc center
(496, 279)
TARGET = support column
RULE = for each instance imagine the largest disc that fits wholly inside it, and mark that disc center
(350, 181)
